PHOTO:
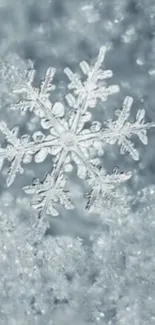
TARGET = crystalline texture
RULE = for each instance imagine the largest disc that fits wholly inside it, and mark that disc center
(69, 140)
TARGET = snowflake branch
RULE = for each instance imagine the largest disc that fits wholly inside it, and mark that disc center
(45, 107)
(100, 181)
(59, 164)
(86, 90)
(50, 191)
(22, 150)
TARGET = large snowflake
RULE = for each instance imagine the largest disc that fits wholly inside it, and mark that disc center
(69, 141)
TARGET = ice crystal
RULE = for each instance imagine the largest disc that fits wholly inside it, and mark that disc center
(69, 140)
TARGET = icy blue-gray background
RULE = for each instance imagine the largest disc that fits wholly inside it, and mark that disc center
(86, 269)
(62, 33)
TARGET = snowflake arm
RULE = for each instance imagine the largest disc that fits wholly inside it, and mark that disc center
(86, 94)
(90, 90)
(47, 85)
(11, 152)
(102, 185)
(22, 150)
(45, 88)
(121, 130)
(51, 190)
(48, 194)
(37, 100)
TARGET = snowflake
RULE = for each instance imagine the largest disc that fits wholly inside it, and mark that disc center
(69, 140)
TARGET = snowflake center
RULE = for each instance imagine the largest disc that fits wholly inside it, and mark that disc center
(68, 139)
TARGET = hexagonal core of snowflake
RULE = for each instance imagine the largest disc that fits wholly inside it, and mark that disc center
(68, 139)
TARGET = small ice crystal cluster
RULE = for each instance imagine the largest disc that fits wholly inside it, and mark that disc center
(68, 139)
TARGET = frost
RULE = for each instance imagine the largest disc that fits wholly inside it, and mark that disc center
(71, 138)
